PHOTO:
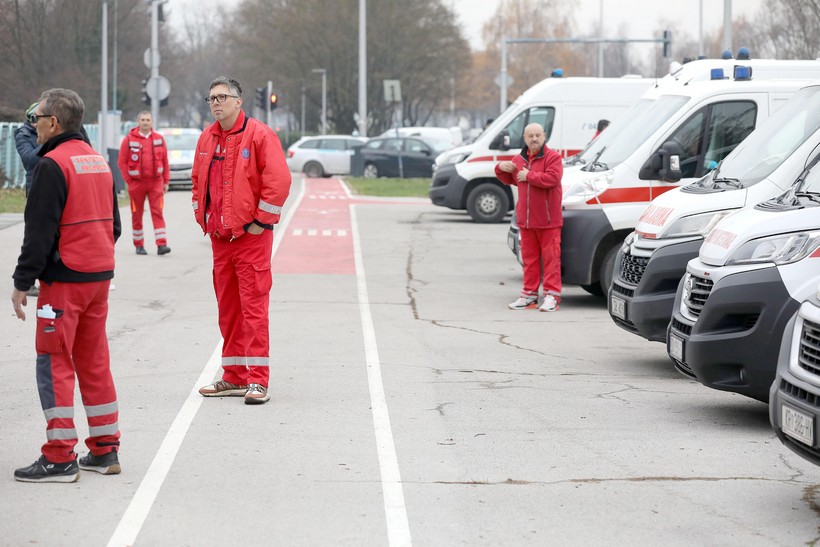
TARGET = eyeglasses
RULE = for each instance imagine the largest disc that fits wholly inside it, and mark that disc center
(34, 117)
(221, 98)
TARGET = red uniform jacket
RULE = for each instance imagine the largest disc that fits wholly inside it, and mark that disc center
(539, 199)
(257, 178)
(143, 159)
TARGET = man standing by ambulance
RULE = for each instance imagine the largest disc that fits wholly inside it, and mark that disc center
(143, 162)
(240, 184)
(72, 221)
(537, 172)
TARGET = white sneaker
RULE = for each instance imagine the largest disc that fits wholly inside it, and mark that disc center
(550, 303)
(524, 304)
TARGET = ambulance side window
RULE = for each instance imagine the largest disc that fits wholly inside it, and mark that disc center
(729, 124)
(688, 136)
(538, 114)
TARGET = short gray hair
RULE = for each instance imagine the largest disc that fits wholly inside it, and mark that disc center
(65, 105)
(232, 84)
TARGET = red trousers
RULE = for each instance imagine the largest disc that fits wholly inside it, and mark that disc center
(138, 191)
(541, 253)
(75, 344)
(242, 282)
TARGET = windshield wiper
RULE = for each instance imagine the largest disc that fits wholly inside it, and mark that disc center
(727, 181)
(574, 160)
(813, 196)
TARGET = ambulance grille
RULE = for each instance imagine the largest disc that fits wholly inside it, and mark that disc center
(809, 356)
(696, 300)
(632, 268)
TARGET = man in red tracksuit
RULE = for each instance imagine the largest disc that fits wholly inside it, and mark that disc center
(72, 221)
(240, 184)
(143, 162)
(537, 172)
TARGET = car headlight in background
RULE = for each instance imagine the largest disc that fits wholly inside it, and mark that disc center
(590, 188)
(779, 249)
(693, 225)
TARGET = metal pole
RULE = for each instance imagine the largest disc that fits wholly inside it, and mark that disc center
(700, 30)
(727, 24)
(269, 118)
(600, 44)
(104, 81)
(324, 102)
(302, 124)
(502, 103)
(114, 68)
(154, 54)
(362, 69)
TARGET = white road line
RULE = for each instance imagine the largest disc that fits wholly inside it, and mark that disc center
(134, 517)
(327, 233)
(341, 233)
(398, 528)
(312, 232)
(297, 231)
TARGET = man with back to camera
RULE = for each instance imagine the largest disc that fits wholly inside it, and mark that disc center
(537, 172)
(143, 162)
(240, 182)
(71, 223)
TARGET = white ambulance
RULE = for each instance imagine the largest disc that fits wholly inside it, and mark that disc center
(702, 121)
(569, 109)
(794, 398)
(753, 271)
(669, 233)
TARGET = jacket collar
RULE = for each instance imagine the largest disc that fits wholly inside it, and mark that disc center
(525, 153)
(57, 140)
(238, 126)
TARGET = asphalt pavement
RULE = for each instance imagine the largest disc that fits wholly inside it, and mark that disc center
(409, 406)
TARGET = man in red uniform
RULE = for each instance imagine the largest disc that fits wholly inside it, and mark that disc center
(72, 221)
(143, 162)
(537, 172)
(240, 184)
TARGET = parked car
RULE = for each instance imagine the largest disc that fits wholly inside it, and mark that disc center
(448, 134)
(324, 155)
(380, 156)
(181, 144)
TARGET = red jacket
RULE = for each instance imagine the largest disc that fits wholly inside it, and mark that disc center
(143, 159)
(257, 176)
(539, 198)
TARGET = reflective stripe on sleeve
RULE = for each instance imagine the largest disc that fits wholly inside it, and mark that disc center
(134, 172)
(195, 205)
(269, 208)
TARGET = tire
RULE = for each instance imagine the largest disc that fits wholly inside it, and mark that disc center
(314, 170)
(607, 267)
(594, 289)
(371, 171)
(488, 203)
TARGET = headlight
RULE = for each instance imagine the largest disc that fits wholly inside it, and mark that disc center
(449, 159)
(779, 249)
(693, 225)
(628, 242)
(589, 188)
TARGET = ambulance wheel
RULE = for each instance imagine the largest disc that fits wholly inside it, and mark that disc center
(606, 271)
(314, 170)
(371, 171)
(488, 203)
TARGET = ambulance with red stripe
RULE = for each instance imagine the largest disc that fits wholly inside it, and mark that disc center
(569, 109)
(670, 231)
(754, 270)
(702, 121)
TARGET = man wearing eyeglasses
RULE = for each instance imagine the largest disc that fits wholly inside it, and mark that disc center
(71, 223)
(143, 162)
(240, 184)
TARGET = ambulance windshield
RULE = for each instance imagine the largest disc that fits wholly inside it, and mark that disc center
(613, 131)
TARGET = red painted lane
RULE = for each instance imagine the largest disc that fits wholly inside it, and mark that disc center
(318, 238)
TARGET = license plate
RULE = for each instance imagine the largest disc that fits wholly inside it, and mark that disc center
(797, 425)
(676, 347)
(617, 307)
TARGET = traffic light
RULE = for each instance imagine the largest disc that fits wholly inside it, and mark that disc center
(274, 101)
(667, 43)
(145, 98)
(262, 98)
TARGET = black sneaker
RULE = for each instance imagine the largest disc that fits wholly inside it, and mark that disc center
(44, 471)
(106, 464)
(163, 250)
(141, 251)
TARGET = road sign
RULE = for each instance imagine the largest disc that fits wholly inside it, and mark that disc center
(498, 80)
(146, 58)
(392, 91)
(158, 84)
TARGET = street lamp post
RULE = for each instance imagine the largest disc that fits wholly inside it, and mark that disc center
(323, 72)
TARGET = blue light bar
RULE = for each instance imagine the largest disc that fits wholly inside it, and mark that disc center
(717, 74)
(743, 72)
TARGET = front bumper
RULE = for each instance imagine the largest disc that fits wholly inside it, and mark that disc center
(795, 396)
(447, 187)
(729, 346)
(646, 288)
(582, 233)
(180, 176)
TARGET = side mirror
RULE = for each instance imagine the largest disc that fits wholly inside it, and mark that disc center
(500, 141)
(663, 164)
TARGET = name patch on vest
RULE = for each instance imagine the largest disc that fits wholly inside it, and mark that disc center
(90, 164)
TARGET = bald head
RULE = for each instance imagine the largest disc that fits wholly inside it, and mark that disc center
(534, 137)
